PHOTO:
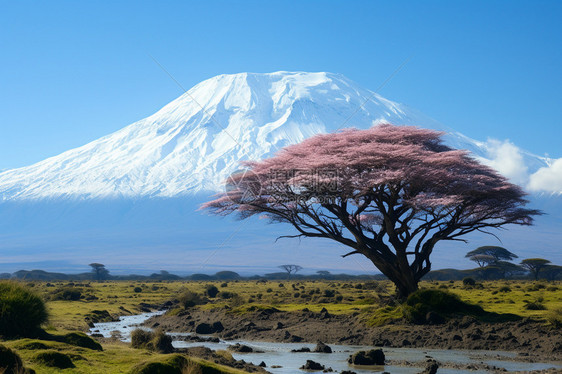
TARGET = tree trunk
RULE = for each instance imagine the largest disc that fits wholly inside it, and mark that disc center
(405, 283)
(404, 279)
(404, 287)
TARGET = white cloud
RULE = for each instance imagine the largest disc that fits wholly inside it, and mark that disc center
(548, 178)
(507, 159)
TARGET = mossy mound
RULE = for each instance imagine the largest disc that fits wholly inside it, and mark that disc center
(11, 363)
(54, 359)
(432, 302)
(80, 339)
(22, 311)
(32, 345)
(429, 306)
(96, 316)
(178, 364)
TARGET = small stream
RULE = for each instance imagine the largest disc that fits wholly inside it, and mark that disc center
(279, 354)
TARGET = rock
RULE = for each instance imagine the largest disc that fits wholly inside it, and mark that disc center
(296, 339)
(217, 327)
(372, 357)
(300, 350)
(324, 314)
(312, 365)
(466, 321)
(240, 348)
(322, 348)
(262, 365)
(431, 367)
(457, 338)
(434, 318)
(348, 372)
(204, 328)
(279, 326)
(406, 343)
(382, 343)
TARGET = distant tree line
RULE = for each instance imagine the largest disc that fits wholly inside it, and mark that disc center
(496, 263)
(493, 263)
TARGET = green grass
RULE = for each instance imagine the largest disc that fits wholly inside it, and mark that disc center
(372, 300)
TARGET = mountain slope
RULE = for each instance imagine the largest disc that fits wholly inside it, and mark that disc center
(193, 143)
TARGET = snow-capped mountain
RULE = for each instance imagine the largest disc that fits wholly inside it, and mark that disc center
(130, 199)
(193, 143)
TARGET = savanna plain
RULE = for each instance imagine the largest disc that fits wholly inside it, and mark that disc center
(522, 316)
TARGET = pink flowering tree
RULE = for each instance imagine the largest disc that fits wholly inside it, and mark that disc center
(389, 193)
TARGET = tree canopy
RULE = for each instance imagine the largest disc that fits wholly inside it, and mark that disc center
(535, 265)
(290, 269)
(390, 193)
(492, 253)
(99, 270)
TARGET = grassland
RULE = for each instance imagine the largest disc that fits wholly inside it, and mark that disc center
(373, 299)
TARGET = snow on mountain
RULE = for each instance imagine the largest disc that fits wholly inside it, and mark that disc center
(193, 143)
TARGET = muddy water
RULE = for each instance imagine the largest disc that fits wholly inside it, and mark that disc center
(279, 354)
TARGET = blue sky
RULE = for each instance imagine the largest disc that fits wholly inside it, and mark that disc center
(71, 72)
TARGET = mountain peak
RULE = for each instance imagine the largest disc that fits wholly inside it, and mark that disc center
(193, 143)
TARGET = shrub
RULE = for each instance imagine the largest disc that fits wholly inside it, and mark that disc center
(371, 285)
(555, 318)
(534, 306)
(11, 363)
(189, 299)
(152, 340)
(68, 293)
(212, 290)
(468, 281)
(80, 339)
(421, 302)
(161, 342)
(21, 311)
(54, 359)
(226, 295)
(505, 289)
(137, 289)
(140, 338)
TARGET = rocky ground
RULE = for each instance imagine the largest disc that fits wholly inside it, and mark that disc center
(532, 340)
